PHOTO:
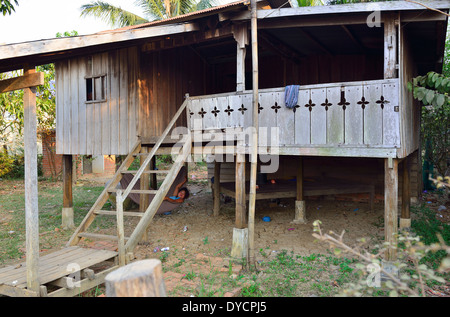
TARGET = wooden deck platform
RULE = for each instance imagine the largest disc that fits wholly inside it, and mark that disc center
(67, 272)
(288, 189)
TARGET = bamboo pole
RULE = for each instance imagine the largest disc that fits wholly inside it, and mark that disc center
(254, 156)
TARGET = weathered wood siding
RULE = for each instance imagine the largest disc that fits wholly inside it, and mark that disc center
(411, 108)
(165, 78)
(316, 69)
(103, 127)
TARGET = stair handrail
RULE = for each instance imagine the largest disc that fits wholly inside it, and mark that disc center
(157, 199)
(158, 143)
(103, 196)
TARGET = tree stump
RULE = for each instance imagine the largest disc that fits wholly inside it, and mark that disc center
(138, 279)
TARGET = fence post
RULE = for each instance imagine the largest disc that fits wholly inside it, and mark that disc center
(138, 279)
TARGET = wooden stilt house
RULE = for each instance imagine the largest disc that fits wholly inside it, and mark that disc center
(183, 86)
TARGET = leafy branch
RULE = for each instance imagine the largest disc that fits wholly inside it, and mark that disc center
(431, 89)
(412, 252)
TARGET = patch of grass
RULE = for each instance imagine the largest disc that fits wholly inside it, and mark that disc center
(290, 275)
(12, 215)
(427, 227)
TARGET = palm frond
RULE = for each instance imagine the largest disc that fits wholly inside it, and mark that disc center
(205, 4)
(154, 9)
(115, 16)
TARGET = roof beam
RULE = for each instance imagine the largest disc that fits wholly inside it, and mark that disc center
(32, 79)
(344, 9)
(75, 42)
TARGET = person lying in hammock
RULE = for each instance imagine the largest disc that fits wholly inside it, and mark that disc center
(179, 194)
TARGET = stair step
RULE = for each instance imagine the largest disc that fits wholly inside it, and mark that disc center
(98, 236)
(147, 172)
(136, 191)
(114, 213)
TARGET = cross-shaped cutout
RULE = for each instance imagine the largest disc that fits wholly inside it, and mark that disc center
(343, 103)
(242, 109)
(215, 111)
(310, 105)
(202, 112)
(326, 104)
(382, 101)
(363, 102)
(229, 110)
(275, 107)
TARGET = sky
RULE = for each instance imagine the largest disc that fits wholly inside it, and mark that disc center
(42, 19)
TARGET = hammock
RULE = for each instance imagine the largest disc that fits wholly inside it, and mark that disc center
(166, 206)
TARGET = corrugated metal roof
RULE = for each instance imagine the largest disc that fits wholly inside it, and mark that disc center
(188, 16)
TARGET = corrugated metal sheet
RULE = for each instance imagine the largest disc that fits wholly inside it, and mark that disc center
(188, 16)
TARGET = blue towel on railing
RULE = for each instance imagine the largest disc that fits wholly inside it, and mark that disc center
(291, 95)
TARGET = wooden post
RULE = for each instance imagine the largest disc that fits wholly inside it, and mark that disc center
(254, 155)
(390, 46)
(405, 218)
(241, 219)
(144, 183)
(391, 206)
(216, 188)
(31, 185)
(239, 247)
(67, 210)
(138, 279)
(300, 208)
(120, 228)
(241, 36)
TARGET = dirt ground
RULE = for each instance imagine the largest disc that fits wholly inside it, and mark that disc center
(193, 228)
(194, 236)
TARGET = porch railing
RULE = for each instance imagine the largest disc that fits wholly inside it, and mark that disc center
(352, 114)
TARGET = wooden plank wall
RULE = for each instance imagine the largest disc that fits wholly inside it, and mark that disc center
(279, 72)
(166, 76)
(410, 108)
(95, 128)
(319, 119)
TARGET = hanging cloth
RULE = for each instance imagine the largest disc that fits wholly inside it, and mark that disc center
(291, 96)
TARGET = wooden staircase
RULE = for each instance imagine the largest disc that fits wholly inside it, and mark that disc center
(182, 150)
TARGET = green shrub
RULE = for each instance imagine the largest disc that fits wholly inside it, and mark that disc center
(6, 163)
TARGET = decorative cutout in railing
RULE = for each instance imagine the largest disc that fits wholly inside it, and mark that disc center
(347, 114)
